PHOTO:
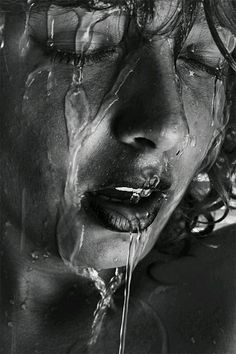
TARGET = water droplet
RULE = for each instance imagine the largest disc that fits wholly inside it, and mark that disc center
(23, 306)
(10, 324)
(2, 27)
(192, 141)
(51, 25)
(35, 255)
(192, 48)
(25, 38)
(46, 255)
(51, 82)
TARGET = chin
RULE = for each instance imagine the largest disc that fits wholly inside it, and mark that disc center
(90, 244)
(108, 253)
(97, 234)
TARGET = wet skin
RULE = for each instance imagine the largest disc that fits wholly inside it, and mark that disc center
(162, 124)
(152, 129)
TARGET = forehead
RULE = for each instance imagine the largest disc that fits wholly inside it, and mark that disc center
(141, 4)
(158, 12)
(165, 13)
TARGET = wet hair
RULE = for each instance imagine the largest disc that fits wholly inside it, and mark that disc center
(211, 195)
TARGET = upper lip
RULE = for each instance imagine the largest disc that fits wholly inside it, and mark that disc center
(129, 204)
(129, 187)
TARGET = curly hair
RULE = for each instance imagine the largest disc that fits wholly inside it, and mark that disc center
(213, 189)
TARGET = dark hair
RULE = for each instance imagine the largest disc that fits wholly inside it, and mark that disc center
(213, 190)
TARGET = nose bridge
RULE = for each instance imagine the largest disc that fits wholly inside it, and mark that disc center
(151, 110)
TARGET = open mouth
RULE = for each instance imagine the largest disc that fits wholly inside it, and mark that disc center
(125, 209)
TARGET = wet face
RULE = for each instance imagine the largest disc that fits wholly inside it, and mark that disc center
(105, 125)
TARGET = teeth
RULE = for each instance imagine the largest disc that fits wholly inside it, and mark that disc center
(141, 192)
(137, 193)
(135, 198)
(130, 190)
(146, 192)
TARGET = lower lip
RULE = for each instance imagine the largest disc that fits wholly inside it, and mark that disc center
(121, 217)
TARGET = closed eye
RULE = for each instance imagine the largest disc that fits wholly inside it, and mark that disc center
(199, 64)
(73, 58)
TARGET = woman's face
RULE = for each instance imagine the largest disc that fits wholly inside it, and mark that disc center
(104, 127)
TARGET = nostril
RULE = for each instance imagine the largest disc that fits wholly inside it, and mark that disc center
(144, 143)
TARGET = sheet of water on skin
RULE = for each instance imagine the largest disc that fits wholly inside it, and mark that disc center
(77, 97)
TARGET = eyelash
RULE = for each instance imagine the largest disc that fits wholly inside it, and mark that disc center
(197, 63)
(73, 58)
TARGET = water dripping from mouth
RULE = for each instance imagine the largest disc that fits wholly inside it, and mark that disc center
(2, 28)
(128, 276)
(136, 247)
(105, 302)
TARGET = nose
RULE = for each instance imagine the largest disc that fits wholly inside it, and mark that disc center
(150, 114)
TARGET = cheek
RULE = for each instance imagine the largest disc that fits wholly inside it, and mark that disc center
(204, 108)
(42, 111)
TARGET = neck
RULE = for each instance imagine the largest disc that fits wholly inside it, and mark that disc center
(37, 287)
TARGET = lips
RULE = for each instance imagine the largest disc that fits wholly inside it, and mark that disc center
(126, 209)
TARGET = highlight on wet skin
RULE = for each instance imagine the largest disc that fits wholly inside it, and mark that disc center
(118, 155)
